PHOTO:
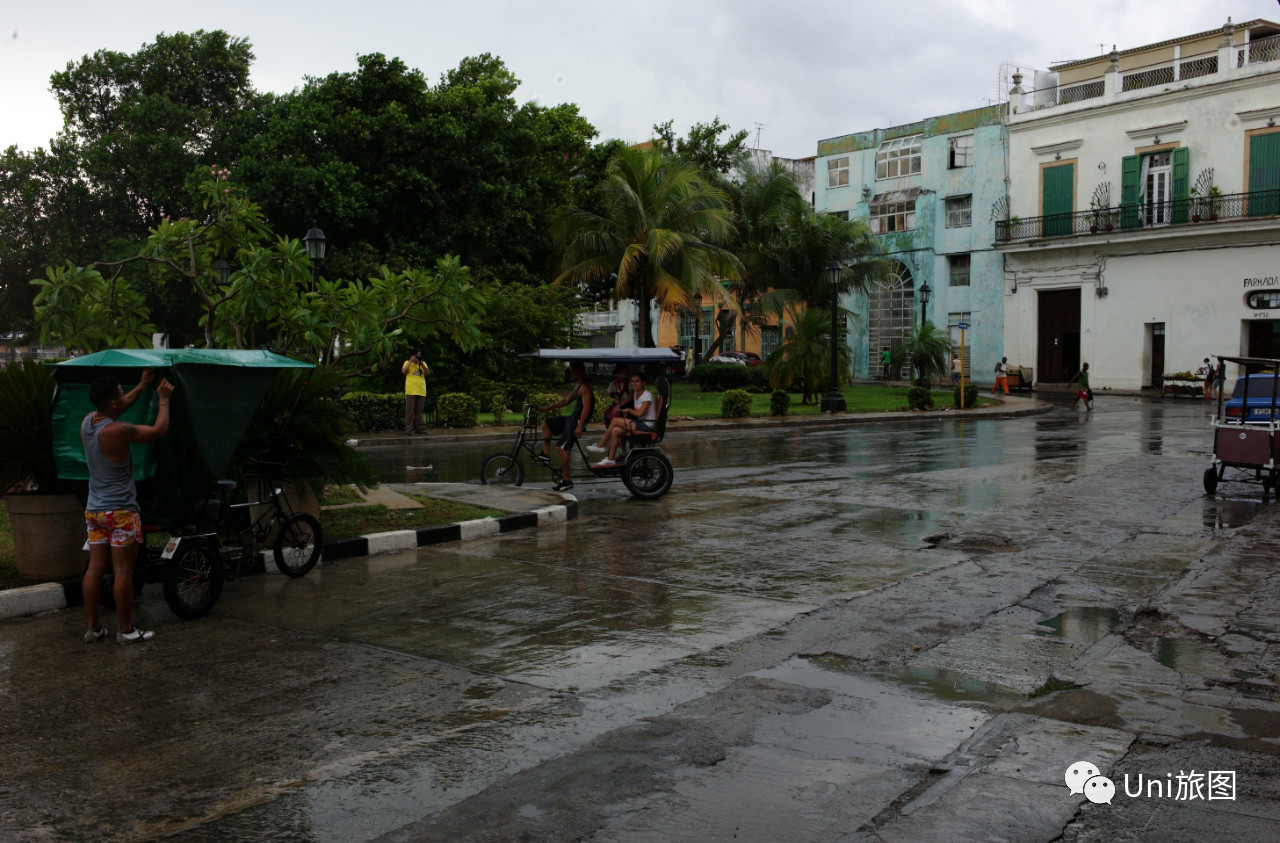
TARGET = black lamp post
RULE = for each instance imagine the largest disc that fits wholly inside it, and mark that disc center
(833, 401)
(697, 327)
(925, 292)
(315, 250)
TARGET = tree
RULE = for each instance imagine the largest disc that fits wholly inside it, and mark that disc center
(703, 147)
(662, 232)
(270, 299)
(929, 349)
(806, 354)
(399, 172)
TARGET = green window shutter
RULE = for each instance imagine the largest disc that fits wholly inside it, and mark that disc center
(1181, 187)
(1059, 202)
(1130, 172)
(1264, 175)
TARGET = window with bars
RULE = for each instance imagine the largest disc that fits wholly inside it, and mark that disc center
(769, 340)
(886, 217)
(959, 211)
(958, 267)
(960, 152)
(838, 172)
(840, 215)
(898, 157)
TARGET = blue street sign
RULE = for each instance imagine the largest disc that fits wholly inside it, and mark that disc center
(964, 326)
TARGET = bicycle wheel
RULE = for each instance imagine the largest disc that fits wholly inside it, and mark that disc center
(298, 545)
(648, 475)
(193, 580)
(502, 470)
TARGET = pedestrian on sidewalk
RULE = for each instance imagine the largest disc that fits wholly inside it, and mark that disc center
(1206, 371)
(955, 370)
(1002, 376)
(1082, 378)
(111, 514)
(1219, 378)
(415, 393)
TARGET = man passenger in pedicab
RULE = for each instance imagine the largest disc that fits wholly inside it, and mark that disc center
(111, 514)
(567, 428)
(638, 418)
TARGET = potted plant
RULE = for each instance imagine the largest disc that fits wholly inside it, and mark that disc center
(1100, 208)
(47, 520)
(1215, 201)
(301, 427)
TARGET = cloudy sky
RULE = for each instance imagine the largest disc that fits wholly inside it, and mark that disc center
(805, 70)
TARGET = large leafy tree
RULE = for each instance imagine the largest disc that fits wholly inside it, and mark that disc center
(397, 171)
(663, 234)
(929, 350)
(703, 148)
(805, 356)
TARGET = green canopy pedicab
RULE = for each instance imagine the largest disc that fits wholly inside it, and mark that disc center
(217, 393)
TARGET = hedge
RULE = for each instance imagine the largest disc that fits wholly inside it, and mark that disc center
(717, 377)
(457, 409)
(919, 398)
(779, 402)
(970, 396)
(372, 412)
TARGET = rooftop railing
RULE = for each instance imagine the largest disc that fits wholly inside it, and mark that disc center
(1191, 210)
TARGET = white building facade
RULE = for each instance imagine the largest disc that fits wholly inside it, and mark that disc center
(1144, 202)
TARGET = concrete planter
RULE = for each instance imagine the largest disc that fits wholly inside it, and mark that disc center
(48, 536)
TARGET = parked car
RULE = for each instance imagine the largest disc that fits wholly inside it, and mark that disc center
(748, 358)
(1264, 402)
(727, 358)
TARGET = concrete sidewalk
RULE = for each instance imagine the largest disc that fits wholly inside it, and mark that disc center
(529, 509)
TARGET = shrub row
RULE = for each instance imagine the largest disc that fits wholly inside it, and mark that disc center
(719, 377)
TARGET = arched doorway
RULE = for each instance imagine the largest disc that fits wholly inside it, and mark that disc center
(891, 316)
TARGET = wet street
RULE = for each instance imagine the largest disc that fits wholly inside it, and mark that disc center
(898, 631)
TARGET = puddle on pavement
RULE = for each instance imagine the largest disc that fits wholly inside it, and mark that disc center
(1218, 512)
(935, 682)
(1082, 624)
(1190, 656)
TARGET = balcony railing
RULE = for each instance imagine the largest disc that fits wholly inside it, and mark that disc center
(594, 320)
(1184, 211)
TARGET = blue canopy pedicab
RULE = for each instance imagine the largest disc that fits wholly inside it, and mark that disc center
(644, 468)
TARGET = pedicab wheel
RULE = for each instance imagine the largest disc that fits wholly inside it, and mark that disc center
(648, 475)
(193, 580)
(502, 470)
(298, 545)
(1210, 480)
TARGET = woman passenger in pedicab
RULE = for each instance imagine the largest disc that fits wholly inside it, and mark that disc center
(619, 399)
(566, 428)
(638, 418)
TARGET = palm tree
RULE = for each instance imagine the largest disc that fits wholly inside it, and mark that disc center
(930, 350)
(805, 355)
(663, 232)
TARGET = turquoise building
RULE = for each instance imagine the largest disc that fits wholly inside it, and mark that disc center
(930, 192)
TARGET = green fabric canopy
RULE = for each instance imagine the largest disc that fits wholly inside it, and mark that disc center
(216, 393)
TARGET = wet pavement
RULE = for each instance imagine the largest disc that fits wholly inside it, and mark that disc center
(900, 631)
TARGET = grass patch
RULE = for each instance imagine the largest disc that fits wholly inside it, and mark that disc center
(376, 518)
(1051, 686)
(338, 495)
(687, 400)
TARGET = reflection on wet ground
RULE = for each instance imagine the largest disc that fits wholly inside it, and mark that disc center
(1016, 546)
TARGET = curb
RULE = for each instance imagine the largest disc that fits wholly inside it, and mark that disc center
(52, 597)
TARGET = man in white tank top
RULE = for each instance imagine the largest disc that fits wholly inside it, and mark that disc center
(111, 514)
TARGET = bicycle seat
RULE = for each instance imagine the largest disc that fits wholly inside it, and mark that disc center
(225, 486)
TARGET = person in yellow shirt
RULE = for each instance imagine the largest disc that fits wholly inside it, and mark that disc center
(415, 392)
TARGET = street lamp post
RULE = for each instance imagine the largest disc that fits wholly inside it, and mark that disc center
(223, 270)
(697, 327)
(315, 250)
(833, 401)
(925, 292)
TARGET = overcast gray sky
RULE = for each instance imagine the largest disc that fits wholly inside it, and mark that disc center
(806, 70)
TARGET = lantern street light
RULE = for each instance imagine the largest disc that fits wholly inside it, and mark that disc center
(833, 401)
(697, 327)
(223, 270)
(315, 250)
(925, 292)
